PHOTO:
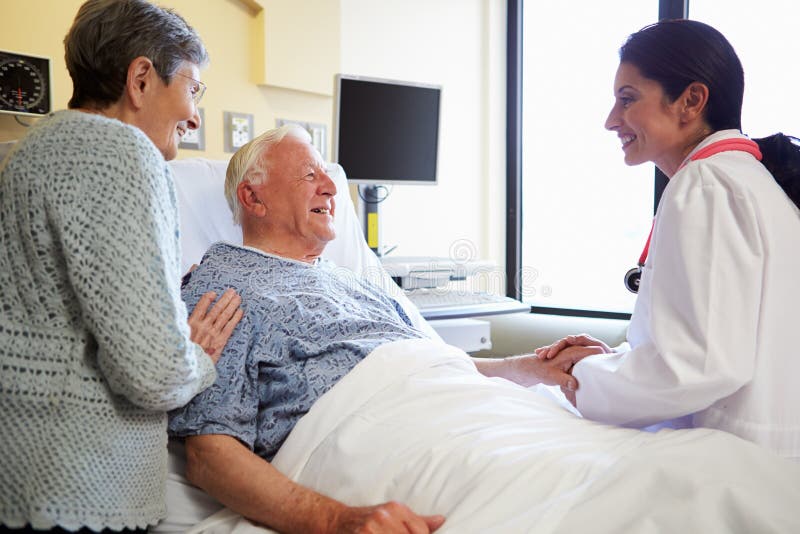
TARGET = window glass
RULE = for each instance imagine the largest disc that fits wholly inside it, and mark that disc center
(764, 35)
(585, 214)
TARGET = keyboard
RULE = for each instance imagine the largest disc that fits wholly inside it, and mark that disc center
(441, 303)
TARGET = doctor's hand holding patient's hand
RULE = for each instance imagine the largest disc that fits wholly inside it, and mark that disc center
(531, 369)
(556, 371)
(581, 340)
(569, 356)
(212, 327)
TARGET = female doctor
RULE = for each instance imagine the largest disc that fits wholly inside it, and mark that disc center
(718, 298)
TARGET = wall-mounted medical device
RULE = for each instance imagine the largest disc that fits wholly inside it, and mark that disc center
(24, 84)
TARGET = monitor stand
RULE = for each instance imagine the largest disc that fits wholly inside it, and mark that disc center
(372, 199)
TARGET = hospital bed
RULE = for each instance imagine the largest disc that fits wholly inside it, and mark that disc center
(487, 454)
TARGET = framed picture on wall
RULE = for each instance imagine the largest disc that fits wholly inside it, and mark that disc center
(195, 139)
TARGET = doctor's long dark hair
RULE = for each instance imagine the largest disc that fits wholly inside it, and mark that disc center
(675, 53)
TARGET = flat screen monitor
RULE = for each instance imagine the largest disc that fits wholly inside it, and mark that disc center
(386, 131)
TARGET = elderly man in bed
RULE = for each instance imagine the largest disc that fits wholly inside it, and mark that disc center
(298, 405)
(307, 324)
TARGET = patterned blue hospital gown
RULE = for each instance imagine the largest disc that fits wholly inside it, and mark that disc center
(305, 326)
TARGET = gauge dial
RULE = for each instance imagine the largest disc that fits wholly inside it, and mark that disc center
(24, 84)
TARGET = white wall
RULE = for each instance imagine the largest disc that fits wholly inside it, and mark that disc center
(460, 45)
(250, 70)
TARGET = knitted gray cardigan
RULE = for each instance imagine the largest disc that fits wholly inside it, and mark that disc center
(94, 344)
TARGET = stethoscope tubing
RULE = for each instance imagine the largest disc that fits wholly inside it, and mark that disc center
(633, 276)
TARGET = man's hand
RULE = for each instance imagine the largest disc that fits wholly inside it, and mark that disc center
(212, 327)
(531, 369)
(390, 517)
(569, 357)
(583, 340)
(247, 484)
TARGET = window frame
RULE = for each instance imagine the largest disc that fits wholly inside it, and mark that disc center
(667, 9)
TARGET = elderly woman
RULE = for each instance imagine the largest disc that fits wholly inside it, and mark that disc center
(94, 341)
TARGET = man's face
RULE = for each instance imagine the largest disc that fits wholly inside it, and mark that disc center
(299, 198)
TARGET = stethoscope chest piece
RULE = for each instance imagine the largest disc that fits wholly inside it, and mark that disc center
(632, 279)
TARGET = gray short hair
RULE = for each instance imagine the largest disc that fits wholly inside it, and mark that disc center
(250, 163)
(107, 35)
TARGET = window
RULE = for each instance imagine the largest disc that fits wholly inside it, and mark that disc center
(585, 215)
(764, 35)
(577, 216)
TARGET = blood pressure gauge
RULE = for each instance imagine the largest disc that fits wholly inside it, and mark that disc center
(24, 84)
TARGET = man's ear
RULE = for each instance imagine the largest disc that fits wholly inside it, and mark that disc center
(249, 200)
(694, 100)
(141, 76)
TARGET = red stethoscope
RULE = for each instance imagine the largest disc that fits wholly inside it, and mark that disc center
(634, 276)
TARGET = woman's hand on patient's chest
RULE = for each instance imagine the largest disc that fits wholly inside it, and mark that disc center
(212, 325)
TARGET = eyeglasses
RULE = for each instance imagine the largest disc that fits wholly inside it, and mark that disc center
(198, 90)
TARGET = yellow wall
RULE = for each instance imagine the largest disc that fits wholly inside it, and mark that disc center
(249, 48)
(276, 59)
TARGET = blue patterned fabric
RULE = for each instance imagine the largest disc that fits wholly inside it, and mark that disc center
(305, 326)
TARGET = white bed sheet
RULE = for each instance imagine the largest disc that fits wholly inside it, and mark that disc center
(415, 422)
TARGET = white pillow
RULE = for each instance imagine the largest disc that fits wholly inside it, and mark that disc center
(205, 216)
(206, 219)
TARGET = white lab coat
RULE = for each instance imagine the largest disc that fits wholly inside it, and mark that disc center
(714, 330)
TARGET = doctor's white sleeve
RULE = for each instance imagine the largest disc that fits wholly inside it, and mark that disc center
(694, 330)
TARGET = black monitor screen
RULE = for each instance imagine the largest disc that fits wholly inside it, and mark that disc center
(386, 131)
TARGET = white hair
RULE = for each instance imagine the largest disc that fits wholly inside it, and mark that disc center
(250, 163)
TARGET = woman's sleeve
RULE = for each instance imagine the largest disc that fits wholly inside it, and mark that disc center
(121, 249)
(694, 337)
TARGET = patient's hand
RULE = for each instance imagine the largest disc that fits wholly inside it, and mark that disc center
(583, 340)
(531, 369)
(390, 517)
(247, 484)
(212, 327)
(555, 371)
